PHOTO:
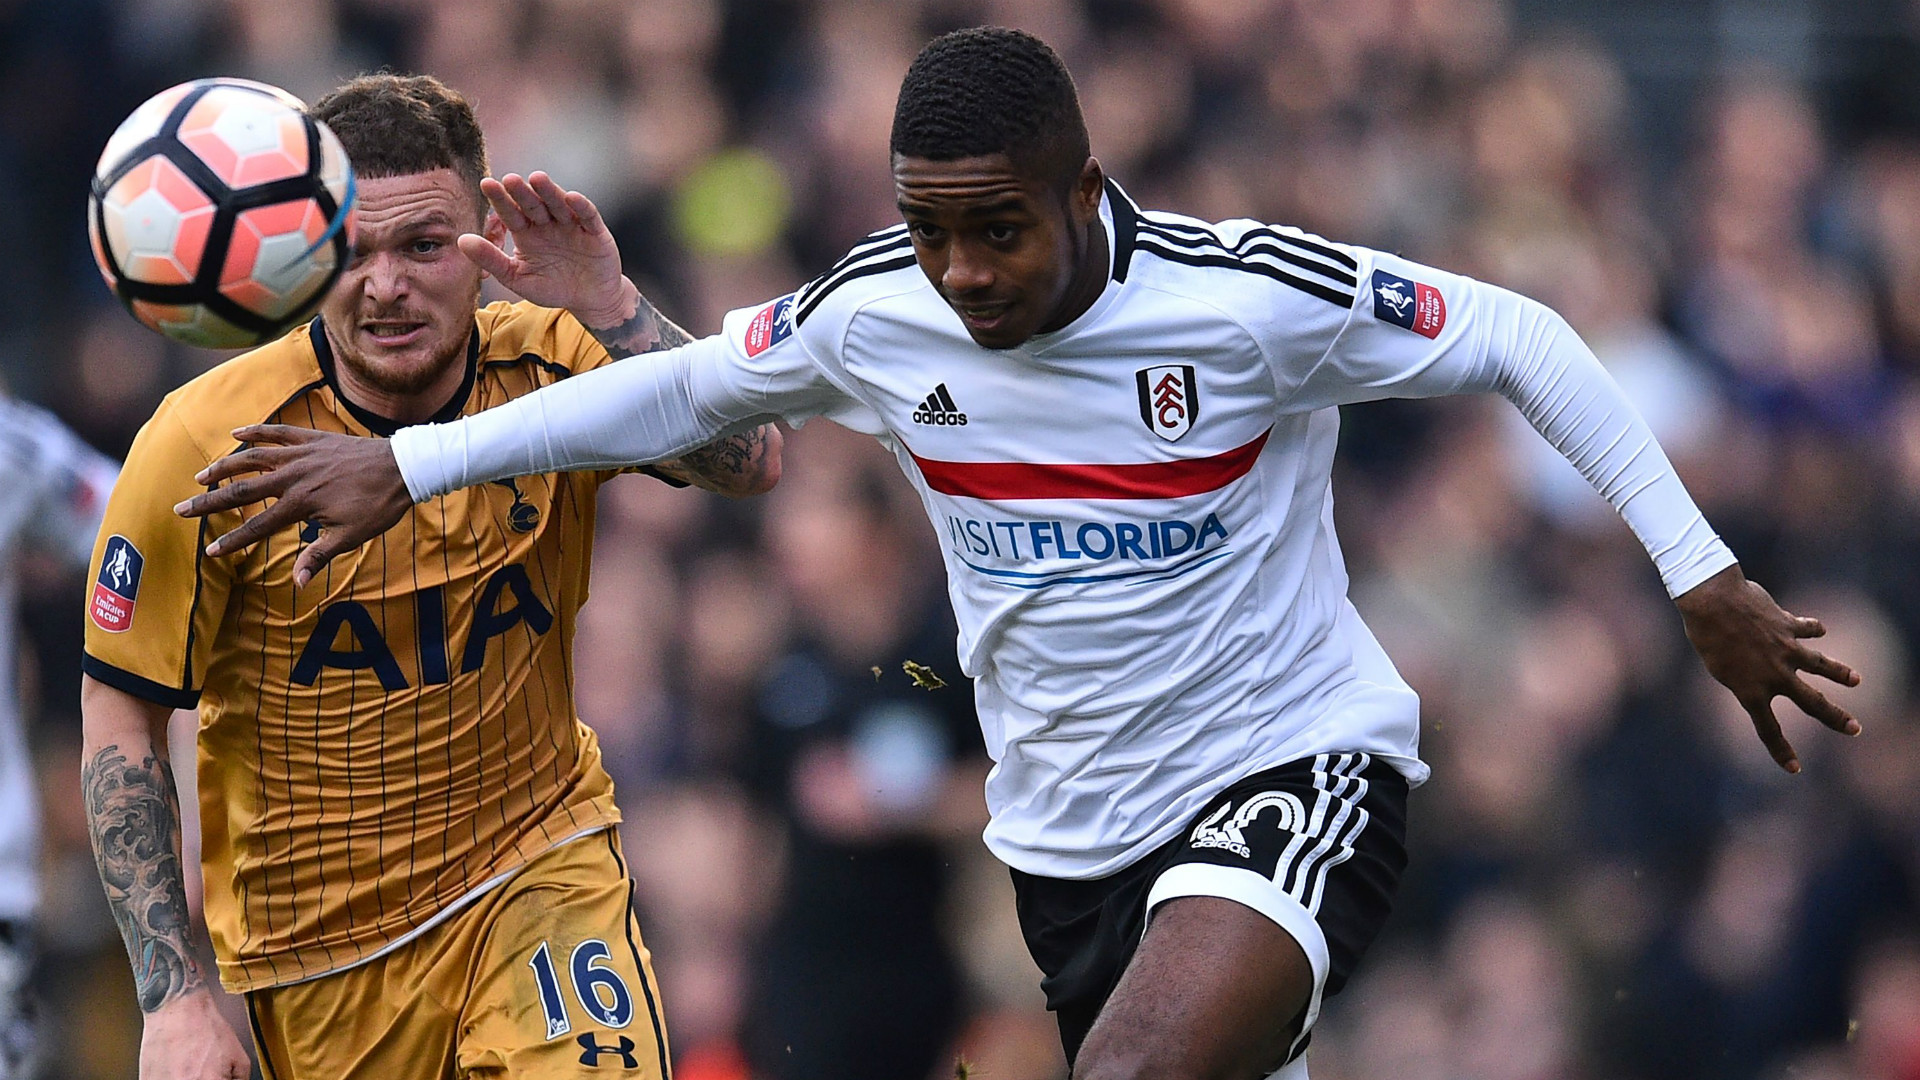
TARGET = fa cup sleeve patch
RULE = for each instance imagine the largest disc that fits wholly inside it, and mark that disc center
(1419, 308)
(118, 585)
(770, 327)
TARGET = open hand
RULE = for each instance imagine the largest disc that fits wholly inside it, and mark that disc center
(563, 255)
(1756, 649)
(349, 486)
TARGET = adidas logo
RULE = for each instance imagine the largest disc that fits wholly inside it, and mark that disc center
(939, 410)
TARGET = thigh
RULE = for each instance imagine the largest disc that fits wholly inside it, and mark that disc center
(1082, 935)
(1260, 910)
(562, 985)
(382, 1018)
(1203, 997)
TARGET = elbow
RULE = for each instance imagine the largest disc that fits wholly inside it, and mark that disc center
(765, 474)
(1532, 349)
(112, 717)
(1547, 328)
(755, 473)
(736, 467)
(761, 483)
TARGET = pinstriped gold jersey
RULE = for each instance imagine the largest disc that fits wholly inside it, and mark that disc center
(378, 745)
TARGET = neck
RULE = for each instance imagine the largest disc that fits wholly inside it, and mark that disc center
(1089, 277)
(399, 406)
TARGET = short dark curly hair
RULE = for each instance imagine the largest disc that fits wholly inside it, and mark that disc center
(991, 90)
(394, 125)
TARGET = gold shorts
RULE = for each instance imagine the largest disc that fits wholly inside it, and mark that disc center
(541, 976)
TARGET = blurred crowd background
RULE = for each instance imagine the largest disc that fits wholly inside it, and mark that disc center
(1609, 880)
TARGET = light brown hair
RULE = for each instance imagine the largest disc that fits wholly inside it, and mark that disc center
(396, 125)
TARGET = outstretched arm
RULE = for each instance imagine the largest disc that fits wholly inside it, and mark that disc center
(612, 417)
(1755, 648)
(615, 416)
(565, 257)
(1482, 338)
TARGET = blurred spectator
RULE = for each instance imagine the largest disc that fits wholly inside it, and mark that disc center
(871, 772)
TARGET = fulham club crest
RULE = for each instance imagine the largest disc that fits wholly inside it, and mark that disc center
(1169, 399)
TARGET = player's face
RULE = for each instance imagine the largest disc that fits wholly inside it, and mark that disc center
(1006, 251)
(400, 316)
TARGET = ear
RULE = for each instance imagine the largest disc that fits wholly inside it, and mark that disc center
(495, 230)
(1088, 189)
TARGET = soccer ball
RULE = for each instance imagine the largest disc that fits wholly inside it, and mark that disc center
(221, 212)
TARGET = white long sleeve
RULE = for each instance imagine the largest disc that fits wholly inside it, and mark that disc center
(1495, 340)
(617, 415)
(643, 409)
(1537, 362)
(1561, 389)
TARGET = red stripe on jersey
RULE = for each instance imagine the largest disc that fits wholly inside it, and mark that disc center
(1151, 480)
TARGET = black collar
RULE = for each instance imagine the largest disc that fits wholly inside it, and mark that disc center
(374, 422)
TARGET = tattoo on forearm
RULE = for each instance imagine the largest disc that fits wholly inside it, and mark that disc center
(647, 331)
(735, 455)
(730, 466)
(133, 814)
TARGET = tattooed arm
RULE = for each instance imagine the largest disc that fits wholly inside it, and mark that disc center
(133, 816)
(565, 257)
(747, 463)
(133, 813)
(646, 330)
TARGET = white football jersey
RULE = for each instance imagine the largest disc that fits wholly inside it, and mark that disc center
(58, 489)
(1135, 510)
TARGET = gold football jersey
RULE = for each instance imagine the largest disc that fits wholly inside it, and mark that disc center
(379, 745)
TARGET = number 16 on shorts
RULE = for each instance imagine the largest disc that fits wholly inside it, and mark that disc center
(600, 991)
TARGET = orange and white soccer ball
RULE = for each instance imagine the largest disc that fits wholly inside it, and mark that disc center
(222, 212)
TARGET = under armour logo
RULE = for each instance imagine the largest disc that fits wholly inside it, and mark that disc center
(590, 1052)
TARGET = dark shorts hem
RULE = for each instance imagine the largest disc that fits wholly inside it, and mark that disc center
(1317, 845)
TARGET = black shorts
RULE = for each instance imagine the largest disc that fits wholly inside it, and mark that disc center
(1317, 845)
